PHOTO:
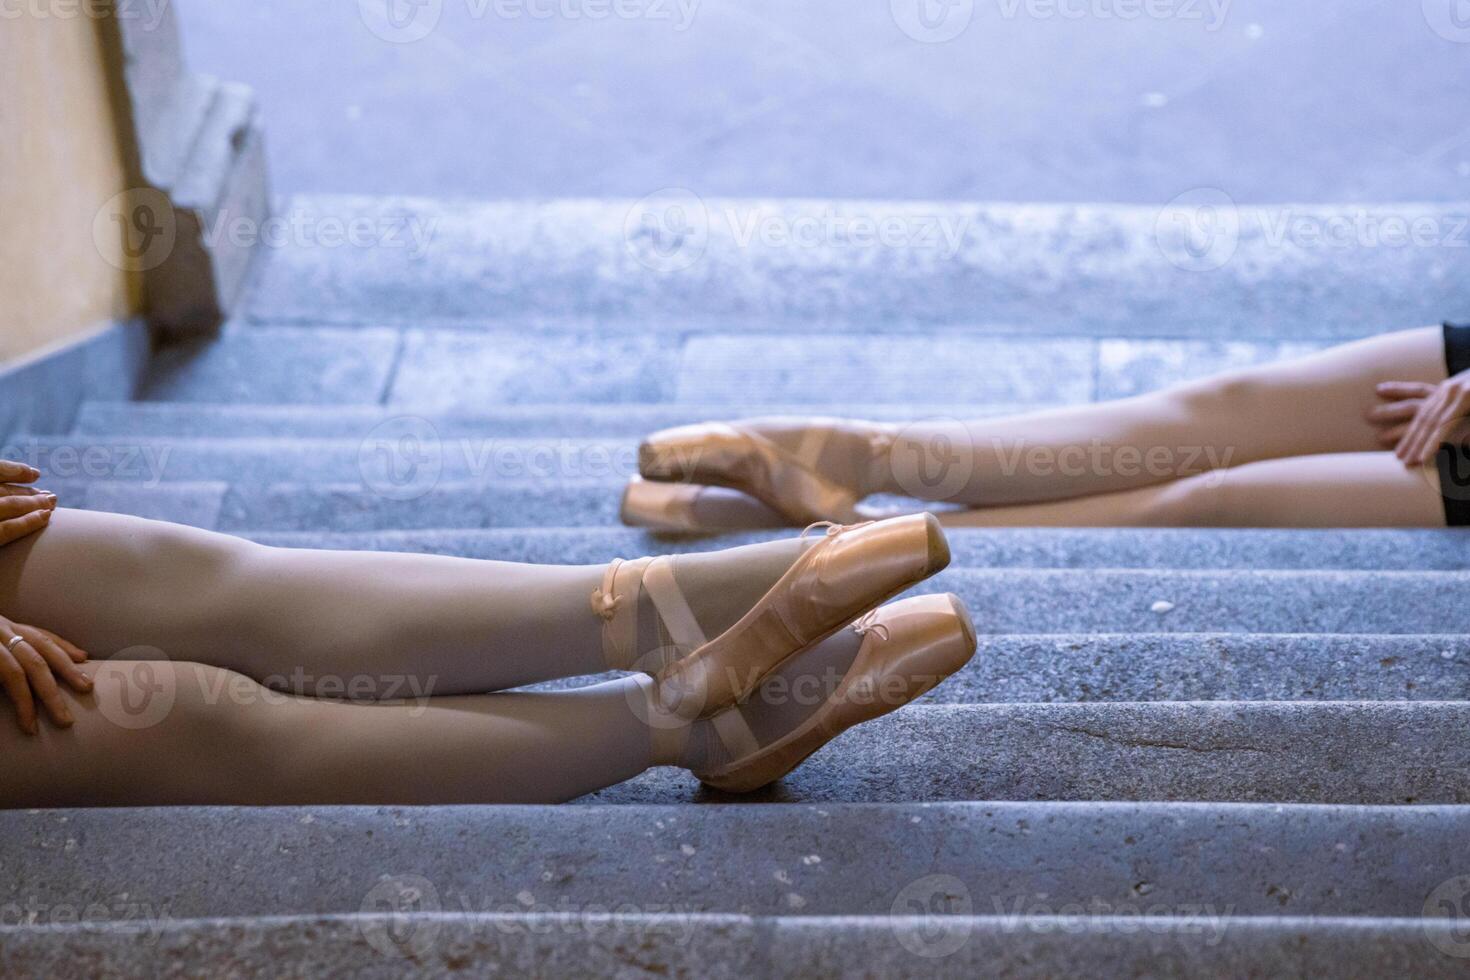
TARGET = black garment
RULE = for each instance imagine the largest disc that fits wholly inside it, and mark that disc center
(1453, 460)
(1457, 347)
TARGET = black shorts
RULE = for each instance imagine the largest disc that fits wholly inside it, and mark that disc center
(1454, 460)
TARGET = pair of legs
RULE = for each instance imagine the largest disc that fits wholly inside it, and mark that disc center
(221, 645)
(1284, 444)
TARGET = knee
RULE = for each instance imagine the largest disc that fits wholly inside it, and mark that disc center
(1194, 501)
(1218, 397)
(163, 695)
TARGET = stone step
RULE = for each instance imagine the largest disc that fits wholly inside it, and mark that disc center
(1137, 667)
(457, 372)
(1381, 752)
(839, 859)
(409, 944)
(1128, 601)
(223, 421)
(603, 267)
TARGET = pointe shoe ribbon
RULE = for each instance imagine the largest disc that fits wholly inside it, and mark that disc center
(682, 626)
(908, 648)
(615, 601)
(850, 570)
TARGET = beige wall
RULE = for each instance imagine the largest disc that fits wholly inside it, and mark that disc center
(60, 163)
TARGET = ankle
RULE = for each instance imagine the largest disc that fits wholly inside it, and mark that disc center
(879, 477)
(672, 741)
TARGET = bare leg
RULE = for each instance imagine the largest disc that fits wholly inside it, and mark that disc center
(1338, 490)
(390, 625)
(1301, 407)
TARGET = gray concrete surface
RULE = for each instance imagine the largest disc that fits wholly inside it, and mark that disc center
(1031, 858)
(1201, 268)
(411, 945)
(1271, 752)
(1356, 100)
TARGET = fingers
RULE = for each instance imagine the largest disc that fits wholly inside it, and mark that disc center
(1389, 438)
(62, 663)
(76, 653)
(1414, 436)
(43, 683)
(1396, 390)
(1439, 415)
(18, 527)
(18, 689)
(20, 490)
(1394, 412)
(19, 505)
(17, 472)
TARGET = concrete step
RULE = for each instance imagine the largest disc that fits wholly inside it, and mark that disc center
(1325, 752)
(409, 944)
(437, 371)
(1029, 669)
(1023, 858)
(223, 421)
(455, 371)
(382, 463)
(1127, 601)
(601, 266)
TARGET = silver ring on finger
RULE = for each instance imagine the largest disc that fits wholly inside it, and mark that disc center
(10, 643)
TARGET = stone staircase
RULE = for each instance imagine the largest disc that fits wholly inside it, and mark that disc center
(1177, 752)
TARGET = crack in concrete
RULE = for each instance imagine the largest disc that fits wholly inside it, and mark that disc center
(1156, 743)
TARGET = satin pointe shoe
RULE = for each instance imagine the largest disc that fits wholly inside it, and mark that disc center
(689, 508)
(907, 649)
(807, 469)
(847, 572)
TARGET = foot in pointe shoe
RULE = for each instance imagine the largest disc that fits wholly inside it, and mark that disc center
(906, 649)
(808, 469)
(847, 572)
(689, 508)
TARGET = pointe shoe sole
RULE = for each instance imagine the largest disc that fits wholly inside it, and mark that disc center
(897, 555)
(930, 638)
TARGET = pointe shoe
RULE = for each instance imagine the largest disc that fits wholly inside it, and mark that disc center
(851, 570)
(908, 647)
(670, 508)
(745, 456)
